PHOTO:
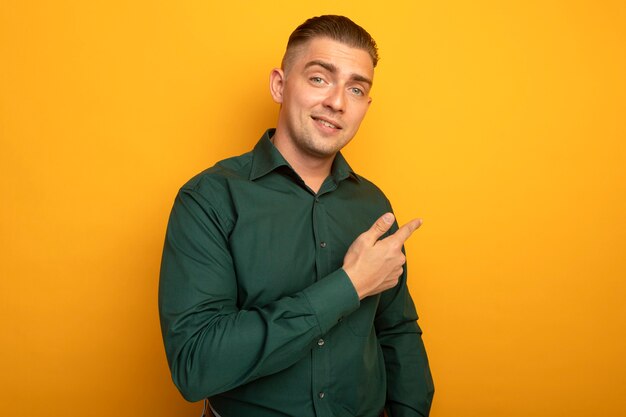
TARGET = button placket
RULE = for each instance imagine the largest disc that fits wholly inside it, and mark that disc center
(321, 355)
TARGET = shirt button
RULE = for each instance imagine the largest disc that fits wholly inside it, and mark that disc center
(323, 244)
(320, 342)
(321, 395)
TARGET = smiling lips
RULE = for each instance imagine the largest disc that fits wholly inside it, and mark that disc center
(326, 123)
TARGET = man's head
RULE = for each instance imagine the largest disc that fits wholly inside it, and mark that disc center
(323, 87)
(337, 28)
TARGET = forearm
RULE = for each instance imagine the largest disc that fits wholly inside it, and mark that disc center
(212, 350)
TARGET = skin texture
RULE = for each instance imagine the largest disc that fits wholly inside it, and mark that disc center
(324, 96)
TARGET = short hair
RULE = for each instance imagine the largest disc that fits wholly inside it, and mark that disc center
(337, 28)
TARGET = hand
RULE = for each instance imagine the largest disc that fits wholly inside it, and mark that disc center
(375, 265)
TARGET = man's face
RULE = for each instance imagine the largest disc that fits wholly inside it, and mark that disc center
(324, 95)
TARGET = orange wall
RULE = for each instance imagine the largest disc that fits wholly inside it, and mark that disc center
(502, 124)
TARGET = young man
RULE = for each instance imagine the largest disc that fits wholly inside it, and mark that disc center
(282, 289)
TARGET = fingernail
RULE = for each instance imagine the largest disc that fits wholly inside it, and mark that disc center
(388, 218)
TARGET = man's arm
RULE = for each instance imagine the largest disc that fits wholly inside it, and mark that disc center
(410, 388)
(212, 346)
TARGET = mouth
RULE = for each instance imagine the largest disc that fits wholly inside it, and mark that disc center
(327, 123)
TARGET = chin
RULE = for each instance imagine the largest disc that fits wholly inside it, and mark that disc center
(321, 146)
(321, 153)
(331, 149)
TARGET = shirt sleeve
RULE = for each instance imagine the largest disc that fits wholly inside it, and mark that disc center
(212, 346)
(410, 387)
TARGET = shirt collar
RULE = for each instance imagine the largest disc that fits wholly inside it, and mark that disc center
(266, 158)
(341, 170)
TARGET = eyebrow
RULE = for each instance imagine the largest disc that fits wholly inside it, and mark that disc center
(333, 70)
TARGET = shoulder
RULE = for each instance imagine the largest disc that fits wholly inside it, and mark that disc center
(210, 191)
(218, 177)
(366, 190)
(369, 185)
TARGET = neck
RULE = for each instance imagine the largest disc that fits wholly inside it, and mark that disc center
(312, 169)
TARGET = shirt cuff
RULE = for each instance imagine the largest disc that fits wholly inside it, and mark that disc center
(332, 298)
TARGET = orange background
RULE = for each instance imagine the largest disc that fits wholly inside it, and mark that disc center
(502, 124)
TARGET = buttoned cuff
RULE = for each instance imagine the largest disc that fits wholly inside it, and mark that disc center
(332, 298)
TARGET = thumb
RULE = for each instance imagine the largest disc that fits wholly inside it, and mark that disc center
(380, 227)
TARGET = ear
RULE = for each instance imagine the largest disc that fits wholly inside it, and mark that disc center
(277, 84)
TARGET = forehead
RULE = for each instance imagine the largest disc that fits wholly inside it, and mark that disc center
(344, 57)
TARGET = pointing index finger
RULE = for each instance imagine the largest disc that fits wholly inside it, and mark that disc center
(403, 233)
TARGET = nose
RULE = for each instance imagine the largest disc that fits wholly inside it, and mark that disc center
(335, 100)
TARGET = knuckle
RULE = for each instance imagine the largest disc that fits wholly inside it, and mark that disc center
(397, 244)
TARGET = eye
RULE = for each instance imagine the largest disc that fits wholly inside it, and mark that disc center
(356, 91)
(316, 80)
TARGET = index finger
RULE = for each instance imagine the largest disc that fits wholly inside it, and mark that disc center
(403, 233)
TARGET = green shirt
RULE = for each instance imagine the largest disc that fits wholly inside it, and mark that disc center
(257, 313)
